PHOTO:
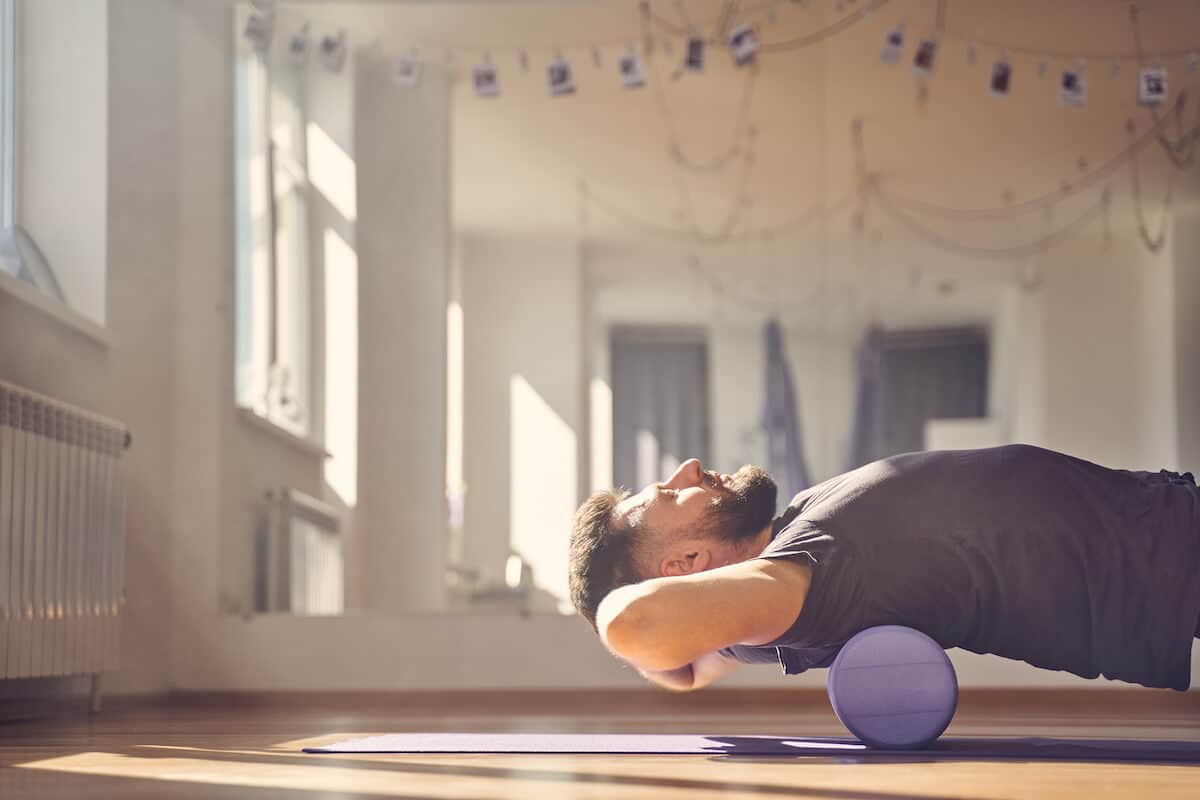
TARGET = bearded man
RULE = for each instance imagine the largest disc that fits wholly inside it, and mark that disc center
(1015, 551)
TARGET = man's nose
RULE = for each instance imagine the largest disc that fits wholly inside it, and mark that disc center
(689, 473)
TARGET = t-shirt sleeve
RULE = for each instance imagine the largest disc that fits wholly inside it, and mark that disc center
(746, 654)
(801, 539)
(792, 660)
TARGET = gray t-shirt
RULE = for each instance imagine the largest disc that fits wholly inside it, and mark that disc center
(1015, 551)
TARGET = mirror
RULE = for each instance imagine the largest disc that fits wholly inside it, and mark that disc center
(491, 258)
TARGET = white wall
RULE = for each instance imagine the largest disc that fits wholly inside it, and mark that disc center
(1107, 353)
(128, 376)
(524, 424)
(1185, 255)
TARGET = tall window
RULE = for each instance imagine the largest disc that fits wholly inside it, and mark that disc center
(660, 401)
(931, 374)
(908, 378)
(274, 286)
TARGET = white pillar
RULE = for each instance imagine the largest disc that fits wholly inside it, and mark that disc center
(402, 145)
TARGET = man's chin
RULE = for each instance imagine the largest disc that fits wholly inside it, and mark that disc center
(755, 493)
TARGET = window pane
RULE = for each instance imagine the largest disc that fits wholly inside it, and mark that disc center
(254, 235)
(291, 399)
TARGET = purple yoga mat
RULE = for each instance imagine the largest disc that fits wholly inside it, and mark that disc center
(688, 744)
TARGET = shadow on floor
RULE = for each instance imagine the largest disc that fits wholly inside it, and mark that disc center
(546, 775)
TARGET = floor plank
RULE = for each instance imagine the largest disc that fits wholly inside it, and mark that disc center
(226, 747)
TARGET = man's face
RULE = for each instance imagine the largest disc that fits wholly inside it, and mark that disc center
(698, 503)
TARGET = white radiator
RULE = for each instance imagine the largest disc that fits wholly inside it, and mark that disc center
(62, 539)
(299, 562)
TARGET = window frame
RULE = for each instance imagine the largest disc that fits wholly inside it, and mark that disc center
(259, 358)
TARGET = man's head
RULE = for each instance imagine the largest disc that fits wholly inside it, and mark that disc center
(695, 520)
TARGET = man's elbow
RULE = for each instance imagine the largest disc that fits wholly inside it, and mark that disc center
(617, 623)
(628, 629)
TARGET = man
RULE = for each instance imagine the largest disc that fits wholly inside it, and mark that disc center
(1016, 551)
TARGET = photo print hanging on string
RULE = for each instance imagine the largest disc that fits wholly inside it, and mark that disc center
(486, 79)
(633, 75)
(925, 57)
(743, 45)
(333, 51)
(1001, 78)
(260, 25)
(1072, 88)
(560, 77)
(693, 58)
(298, 47)
(407, 70)
(893, 46)
(1152, 86)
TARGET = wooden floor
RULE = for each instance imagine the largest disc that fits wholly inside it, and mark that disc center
(249, 748)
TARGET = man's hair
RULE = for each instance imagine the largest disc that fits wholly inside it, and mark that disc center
(602, 552)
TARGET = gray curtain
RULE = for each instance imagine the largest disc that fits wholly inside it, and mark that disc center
(906, 378)
(867, 431)
(781, 421)
(660, 402)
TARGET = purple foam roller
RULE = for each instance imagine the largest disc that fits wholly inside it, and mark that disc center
(893, 687)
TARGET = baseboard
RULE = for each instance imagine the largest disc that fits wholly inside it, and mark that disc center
(39, 698)
(44, 698)
(1051, 702)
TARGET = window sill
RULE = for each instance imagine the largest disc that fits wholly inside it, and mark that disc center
(305, 445)
(55, 309)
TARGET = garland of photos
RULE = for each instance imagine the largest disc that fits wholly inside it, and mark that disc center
(905, 209)
(740, 27)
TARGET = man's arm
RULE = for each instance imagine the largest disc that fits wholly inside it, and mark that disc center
(696, 675)
(665, 624)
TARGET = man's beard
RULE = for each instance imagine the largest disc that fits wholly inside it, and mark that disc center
(745, 507)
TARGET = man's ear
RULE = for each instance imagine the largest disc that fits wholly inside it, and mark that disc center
(685, 562)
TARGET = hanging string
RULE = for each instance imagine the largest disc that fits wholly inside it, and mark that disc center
(1022, 250)
(1104, 170)
(1062, 55)
(716, 22)
(740, 202)
(1154, 242)
(690, 26)
(818, 36)
(729, 10)
(741, 123)
(766, 233)
(768, 306)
